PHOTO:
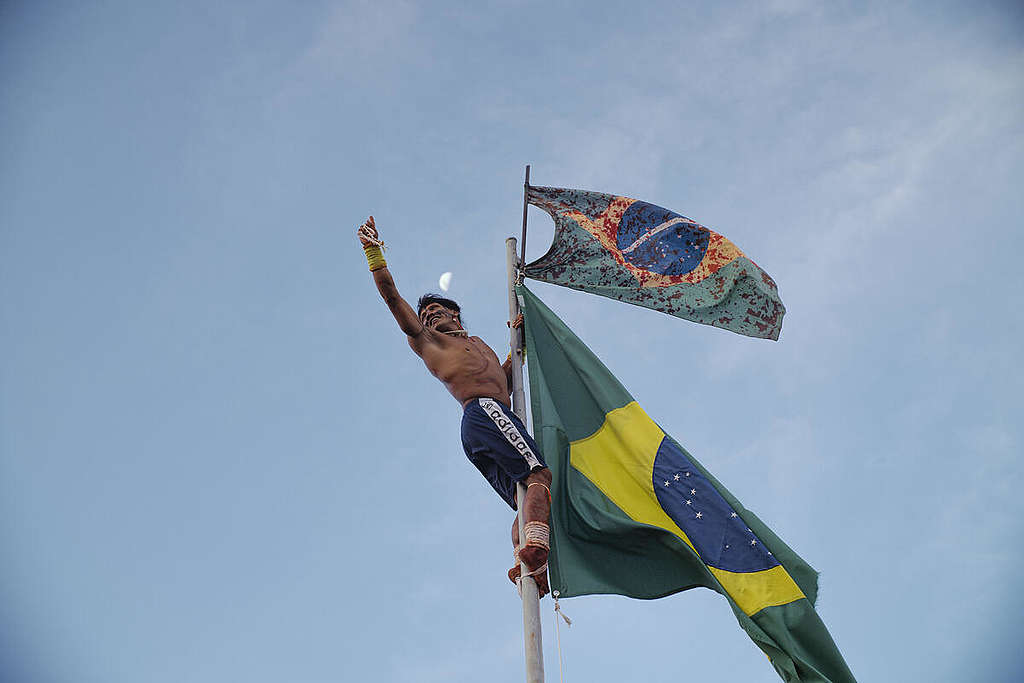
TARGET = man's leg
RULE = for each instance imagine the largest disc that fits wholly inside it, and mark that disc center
(537, 508)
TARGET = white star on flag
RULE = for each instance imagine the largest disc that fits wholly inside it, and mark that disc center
(699, 515)
(676, 477)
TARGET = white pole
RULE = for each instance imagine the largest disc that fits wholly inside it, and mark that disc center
(531, 600)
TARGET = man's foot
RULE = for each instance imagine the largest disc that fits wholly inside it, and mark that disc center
(540, 577)
(542, 583)
(534, 555)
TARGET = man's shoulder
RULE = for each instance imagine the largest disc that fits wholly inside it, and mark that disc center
(437, 341)
(425, 339)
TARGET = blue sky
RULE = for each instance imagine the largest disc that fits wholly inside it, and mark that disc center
(220, 461)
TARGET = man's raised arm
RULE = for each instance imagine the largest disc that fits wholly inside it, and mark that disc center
(400, 308)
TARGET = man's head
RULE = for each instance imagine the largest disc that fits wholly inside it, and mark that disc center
(439, 313)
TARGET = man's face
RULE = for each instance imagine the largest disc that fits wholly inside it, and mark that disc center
(436, 316)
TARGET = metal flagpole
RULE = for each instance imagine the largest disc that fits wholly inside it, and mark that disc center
(526, 188)
(531, 600)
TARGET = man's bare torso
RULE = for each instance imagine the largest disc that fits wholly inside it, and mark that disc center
(467, 366)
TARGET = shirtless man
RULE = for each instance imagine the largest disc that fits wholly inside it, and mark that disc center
(495, 440)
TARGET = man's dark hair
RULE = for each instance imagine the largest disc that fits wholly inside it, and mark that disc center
(429, 298)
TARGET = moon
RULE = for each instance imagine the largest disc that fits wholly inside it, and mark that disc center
(445, 281)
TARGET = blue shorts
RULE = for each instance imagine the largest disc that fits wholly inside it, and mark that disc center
(496, 441)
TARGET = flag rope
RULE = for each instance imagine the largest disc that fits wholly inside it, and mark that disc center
(558, 633)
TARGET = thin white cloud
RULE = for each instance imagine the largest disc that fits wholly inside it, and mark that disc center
(364, 39)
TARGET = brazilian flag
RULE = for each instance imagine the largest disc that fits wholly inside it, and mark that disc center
(634, 514)
(645, 255)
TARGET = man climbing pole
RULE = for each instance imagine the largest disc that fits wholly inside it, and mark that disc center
(495, 440)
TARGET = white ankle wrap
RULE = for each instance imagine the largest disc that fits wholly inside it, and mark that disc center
(538, 534)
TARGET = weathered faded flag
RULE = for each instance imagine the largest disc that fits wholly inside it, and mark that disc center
(634, 514)
(643, 254)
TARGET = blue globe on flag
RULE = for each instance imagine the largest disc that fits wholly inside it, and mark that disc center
(659, 240)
